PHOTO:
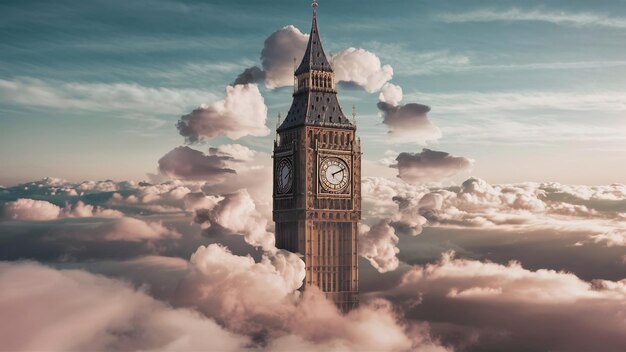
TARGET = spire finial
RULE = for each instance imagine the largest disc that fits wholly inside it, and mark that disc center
(314, 7)
(354, 114)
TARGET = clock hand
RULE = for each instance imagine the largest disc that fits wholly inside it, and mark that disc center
(337, 172)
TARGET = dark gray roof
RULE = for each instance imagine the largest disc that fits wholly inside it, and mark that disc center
(315, 108)
(312, 106)
(314, 57)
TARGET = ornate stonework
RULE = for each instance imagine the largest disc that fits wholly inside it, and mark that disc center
(317, 180)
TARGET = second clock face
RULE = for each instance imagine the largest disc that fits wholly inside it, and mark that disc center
(334, 174)
(284, 176)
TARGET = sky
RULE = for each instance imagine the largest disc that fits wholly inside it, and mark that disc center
(531, 92)
(136, 175)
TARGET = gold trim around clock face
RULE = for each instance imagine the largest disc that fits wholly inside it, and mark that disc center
(334, 174)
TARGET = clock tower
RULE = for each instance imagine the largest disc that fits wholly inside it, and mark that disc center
(317, 179)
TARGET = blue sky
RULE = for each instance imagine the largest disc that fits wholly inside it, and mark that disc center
(531, 91)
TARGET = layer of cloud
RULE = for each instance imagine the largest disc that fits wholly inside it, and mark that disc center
(482, 305)
(519, 207)
(241, 113)
(260, 299)
(580, 19)
(25, 209)
(100, 96)
(74, 310)
(429, 165)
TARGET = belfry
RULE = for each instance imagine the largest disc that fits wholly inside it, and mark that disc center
(317, 179)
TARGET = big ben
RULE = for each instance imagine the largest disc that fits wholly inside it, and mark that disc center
(317, 179)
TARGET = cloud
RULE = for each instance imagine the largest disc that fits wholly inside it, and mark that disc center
(581, 19)
(242, 113)
(74, 310)
(279, 51)
(132, 230)
(100, 96)
(408, 123)
(237, 152)
(25, 209)
(481, 305)
(353, 66)
(429, 165)
(390, 94)
(261, 299)
(236, 290)
(237, 213)
(250, 75)
(362, 68)
(30, 209)
(378, 245)
(189, 164)
(518, 207)
(277, 59)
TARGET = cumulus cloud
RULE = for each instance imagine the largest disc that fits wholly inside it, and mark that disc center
(391, 94)
(429, 165)
(378, 244)
(238, 291)
(361, 67)
(260, 299)
(237, 213)
(189, 164)
(25, 209)
(408, 123)
(279, 51)
(463, 294)
(241, 113)
(516, 207)
(108, 315)
(353, 66)
(30, 209)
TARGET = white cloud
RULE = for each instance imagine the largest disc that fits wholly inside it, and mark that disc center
(30, 209)
(25, 209)
(361, 67)
(132, 230)
(378, 245)
(97, 97)
(391, 94)
(74, 310)
(470, 292)
(516, 207)
(242, 113)
(580, 19)
(261, 299)
(237, 213)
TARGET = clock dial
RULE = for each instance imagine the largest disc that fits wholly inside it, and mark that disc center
(334, 174)
(284, 176)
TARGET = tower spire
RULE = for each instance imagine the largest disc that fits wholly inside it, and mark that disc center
(314, 57)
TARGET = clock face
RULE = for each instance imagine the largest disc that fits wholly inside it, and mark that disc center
(284, 176)
(334, 174)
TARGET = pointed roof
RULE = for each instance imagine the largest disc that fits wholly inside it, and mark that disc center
(314, 56)
(315, 106)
